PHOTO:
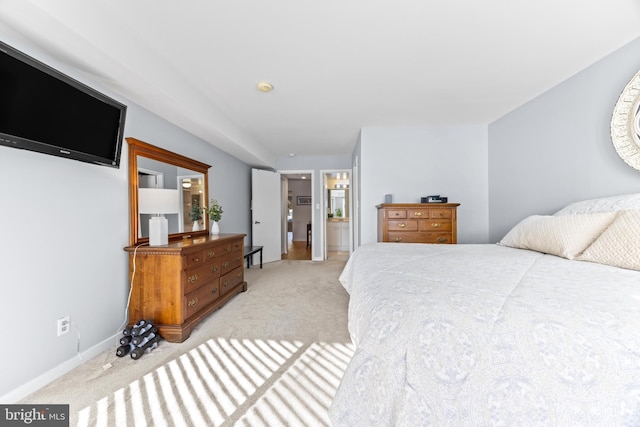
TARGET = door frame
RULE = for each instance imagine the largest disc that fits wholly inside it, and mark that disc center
(314, 207)
(324, 203)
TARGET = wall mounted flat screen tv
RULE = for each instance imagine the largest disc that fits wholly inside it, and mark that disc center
(46, 111)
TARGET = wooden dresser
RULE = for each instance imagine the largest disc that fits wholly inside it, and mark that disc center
(417, 222)
(179, 284)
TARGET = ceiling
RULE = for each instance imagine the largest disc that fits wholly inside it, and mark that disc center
(336, 66)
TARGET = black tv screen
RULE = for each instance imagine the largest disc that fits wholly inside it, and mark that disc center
(46, 111)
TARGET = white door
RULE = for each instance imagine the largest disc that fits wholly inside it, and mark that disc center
(265, 213)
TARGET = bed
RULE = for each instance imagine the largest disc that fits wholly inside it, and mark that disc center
(542, 328)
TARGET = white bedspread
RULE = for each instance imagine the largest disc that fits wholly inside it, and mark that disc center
(488, 335)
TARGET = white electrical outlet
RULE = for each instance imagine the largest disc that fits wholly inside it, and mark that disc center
(63, 325)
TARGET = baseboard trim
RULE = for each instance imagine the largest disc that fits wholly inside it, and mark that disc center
(37, 383)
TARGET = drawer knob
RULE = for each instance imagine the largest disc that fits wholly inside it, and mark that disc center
(193, 279)
(225, 264)
(214, 268)
(435, 225)
(397, 239)
(211, 254)
(193, 302)
(417, 213)
(225, 283)
(442, 240)
(196, 259)
(214, 290)
(402, 225)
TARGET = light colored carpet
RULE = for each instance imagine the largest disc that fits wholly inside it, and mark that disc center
(273, 355)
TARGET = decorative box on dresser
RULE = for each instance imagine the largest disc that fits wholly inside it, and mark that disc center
(179, 284)
(417, 222)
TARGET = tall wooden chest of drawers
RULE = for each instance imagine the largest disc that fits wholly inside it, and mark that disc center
(417, 222)
(179, 284)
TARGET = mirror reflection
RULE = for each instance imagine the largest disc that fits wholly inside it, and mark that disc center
(192, 201)
(339, 203)
(156, 174)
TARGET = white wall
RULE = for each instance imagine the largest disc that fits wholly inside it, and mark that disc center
(413, 162)
(64, 224)
(557, 148)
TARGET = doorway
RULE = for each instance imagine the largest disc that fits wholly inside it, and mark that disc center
(297, 215)
(337, 223)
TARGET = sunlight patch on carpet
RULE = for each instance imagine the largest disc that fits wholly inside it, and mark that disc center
(252, 382)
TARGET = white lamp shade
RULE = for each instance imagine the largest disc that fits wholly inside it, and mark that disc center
(158, 201)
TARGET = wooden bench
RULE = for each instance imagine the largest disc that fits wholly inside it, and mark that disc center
(249, 251)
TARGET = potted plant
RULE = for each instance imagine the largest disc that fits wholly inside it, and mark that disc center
(196, 215)
(215, 214)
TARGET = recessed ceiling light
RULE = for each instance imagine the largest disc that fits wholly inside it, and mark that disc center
(264, 86)
(292, 154)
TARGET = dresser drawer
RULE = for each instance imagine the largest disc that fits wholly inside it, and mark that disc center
(435, 225)
(231, 279)
(198, 299)
(237, 246)
(404, 237)
(230, 261)
(205, 256)
(402, 225)
(226, 249)
(211, 255)
(396, 213)
(419, 237)
(418, 213)
(441, 213)
(197, 276)
(194, 258)
(443, 238)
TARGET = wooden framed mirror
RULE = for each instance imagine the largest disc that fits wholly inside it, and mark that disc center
(154, 167)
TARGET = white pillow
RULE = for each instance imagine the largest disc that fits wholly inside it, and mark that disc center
(605, 204)
(618, 245)
(566, 236)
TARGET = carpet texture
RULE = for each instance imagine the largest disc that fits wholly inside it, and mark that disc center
(273, 355)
